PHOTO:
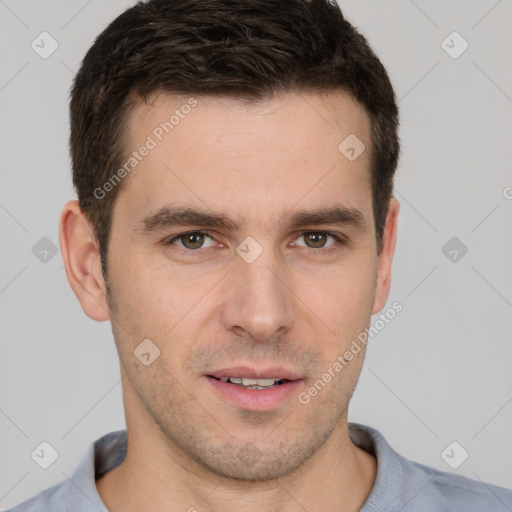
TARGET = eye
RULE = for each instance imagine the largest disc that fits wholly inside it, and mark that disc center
(317, 239)
(192, 240)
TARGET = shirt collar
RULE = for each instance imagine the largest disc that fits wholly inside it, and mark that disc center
(389, 486)
(104, 454)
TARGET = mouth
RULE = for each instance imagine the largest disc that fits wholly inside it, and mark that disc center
(252, 389)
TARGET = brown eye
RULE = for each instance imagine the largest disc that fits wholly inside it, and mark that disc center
(315, 240)
(192, 240)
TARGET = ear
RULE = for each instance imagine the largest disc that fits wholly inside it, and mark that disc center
(82, 261)
(386, 256)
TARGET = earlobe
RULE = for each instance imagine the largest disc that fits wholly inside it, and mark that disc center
(386, 256)
(82, 261)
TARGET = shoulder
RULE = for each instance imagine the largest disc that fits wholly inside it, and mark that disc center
(78, 493)
(428, 487)
(408, 486)
(52, 499)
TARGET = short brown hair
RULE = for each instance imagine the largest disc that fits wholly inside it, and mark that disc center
(248, 49)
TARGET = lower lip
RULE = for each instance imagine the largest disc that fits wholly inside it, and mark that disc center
(256, 399)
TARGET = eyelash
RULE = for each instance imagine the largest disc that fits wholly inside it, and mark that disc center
(339, 239)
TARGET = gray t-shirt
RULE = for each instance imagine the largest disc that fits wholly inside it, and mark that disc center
(401, 485)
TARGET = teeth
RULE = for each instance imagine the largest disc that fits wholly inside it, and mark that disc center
(258, 382)
(250, 382)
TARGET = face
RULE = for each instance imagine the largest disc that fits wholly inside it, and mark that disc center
(243, 244)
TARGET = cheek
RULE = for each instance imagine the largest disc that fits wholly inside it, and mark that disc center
(145, 303)
(343, 297)
(158, 304)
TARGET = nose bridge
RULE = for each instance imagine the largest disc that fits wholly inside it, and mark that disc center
(260, 303)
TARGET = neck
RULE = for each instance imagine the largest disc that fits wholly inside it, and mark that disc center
(338, 476)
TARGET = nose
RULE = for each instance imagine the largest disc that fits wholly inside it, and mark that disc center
(260, 302)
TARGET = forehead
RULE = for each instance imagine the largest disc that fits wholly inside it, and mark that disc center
(221, 153)
(310, 116)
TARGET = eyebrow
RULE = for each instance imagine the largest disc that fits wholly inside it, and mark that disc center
(173, 216)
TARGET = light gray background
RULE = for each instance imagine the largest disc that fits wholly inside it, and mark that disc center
(439, 372)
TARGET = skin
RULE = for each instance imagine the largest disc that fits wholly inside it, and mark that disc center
(295, 306)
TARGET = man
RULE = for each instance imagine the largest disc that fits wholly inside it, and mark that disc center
(235, 222)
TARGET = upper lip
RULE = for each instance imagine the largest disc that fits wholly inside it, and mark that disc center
(276, 372)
